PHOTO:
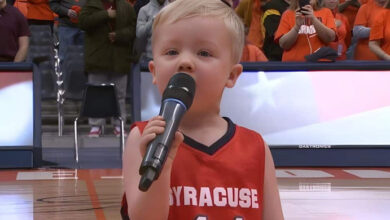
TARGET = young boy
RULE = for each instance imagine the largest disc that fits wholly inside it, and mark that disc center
(220, 171)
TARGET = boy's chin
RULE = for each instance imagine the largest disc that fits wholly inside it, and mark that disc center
(198, 108)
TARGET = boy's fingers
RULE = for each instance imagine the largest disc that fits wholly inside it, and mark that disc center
(154, 130)
(158, 117)
(155, 123)
(145, 141)
(157, 120)
(147, 138)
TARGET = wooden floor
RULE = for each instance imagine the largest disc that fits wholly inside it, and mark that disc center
(318, 194)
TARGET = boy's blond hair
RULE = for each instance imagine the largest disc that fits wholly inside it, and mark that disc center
(182, 9)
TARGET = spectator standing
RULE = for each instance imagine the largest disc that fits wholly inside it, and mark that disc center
(22, 6)
(68, 31)
(250, 52)
(110, 32)
(380, 34)
(39, 13)
(365, 18)
(273, 11)
(350, 8)
(342, 26)
(250, 12)
(15, 33)
(144, 28)
(139, 4)
(303, 32)
(244, 11)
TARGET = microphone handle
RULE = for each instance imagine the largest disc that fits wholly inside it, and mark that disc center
(157, 151)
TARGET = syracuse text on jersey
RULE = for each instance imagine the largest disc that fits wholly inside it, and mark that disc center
(218, 197)
(307, 29)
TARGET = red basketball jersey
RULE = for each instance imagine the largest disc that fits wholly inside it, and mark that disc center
(221, 181)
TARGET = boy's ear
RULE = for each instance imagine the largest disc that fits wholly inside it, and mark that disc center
(234, 74)
(152, 70)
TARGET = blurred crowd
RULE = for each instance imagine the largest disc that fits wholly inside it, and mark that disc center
(318, 30)
(114, 34)
(276, 30)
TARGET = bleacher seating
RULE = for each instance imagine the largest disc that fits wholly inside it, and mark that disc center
(41, 51)
(74, 74)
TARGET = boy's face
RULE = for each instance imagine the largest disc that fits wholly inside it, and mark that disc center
(201, 47)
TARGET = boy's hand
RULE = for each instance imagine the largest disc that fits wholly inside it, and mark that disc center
(156, 126)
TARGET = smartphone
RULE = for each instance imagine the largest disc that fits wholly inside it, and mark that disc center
(303, 3)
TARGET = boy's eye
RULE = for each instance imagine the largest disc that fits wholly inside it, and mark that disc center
(204, 53)
(171, 52)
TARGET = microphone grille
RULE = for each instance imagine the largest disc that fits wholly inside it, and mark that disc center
(181, 86)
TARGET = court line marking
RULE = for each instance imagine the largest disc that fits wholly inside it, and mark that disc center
(367, 174)
(111, 177)
(97, 208)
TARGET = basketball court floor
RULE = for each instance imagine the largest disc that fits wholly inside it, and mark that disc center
(306, 194)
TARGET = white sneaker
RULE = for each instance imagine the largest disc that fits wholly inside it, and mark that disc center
(95, 132)
(117, 131)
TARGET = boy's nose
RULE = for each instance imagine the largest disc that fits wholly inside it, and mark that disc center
(186, 64)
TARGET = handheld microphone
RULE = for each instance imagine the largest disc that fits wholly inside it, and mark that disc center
(177, 99)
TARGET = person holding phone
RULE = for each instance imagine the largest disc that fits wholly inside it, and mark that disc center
(304, 28)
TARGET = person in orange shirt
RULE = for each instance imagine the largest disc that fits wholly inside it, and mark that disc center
(365, 17)
(244, 11)
(39, 13)
(349, 8)
(250, 12)
(22, 6)
(380, 34)
(342, 26)
(250, 52)
(303, 31)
